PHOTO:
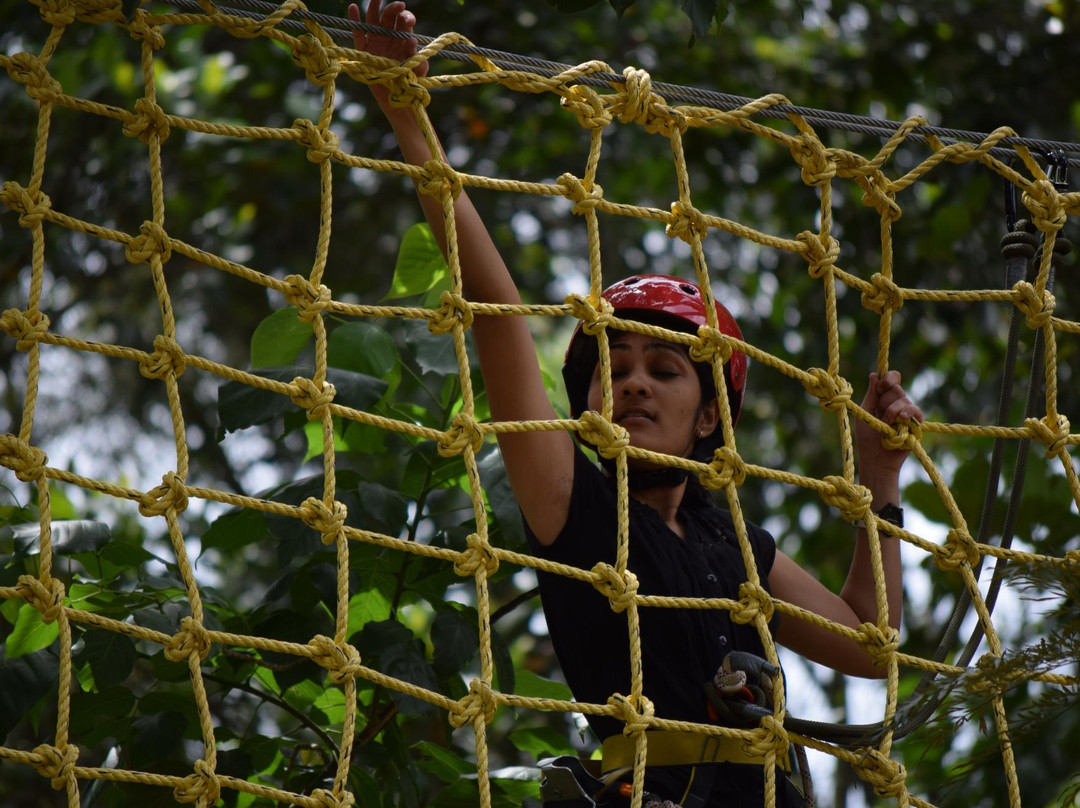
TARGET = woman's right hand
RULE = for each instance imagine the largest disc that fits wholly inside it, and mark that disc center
(397, 18)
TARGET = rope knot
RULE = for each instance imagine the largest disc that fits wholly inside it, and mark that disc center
(318, 65)
(464, 433)
(854, 501)
(639, 104)
(56, 764)
(754, 599)
(833, 392)
(813, 158)
(454, 309)
(619, 589)
(99, 11)
(308, 299)
(140, 28)
(1046, 206)
(608, 438)
(878, 195)
(342, 661)
(587, 105)
(584, 199)
(726, 468)
(635, 719)
(45, 596)
(56, 12)
(201, 787)
(28, 327)
(711, 342)
(192, 640)
(477, 707)
(687, 223)
(312, 398)
(1038, 308)
(148, 120)
(820, 253)
(593, 318)
(32, 210)
(329, 520)
(770, 737)
(170, 495)
(884, 296)
(332, 799)
(32, 72)
(151, 241)
(322, 144)
(168, 359)
(879, 645)
(884, 774)
(1051, 430)
(28, 462)
(959, 549)
(478, 555)
(439, 178)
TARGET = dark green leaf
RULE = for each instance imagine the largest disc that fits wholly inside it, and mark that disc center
(572, 6)
(241, 405)
(233, 530)
(400, 655)
(529, 684)
(443, 763)
(69, 536)
(703, 12)
(434, 353)
(155, 737)
(456, 640)
(362, 348)
(502, 501)
(541, 742)
(111, 656)
(420, 264)
(279, 339)
(383, 510)
(96, 716)
(23, 681)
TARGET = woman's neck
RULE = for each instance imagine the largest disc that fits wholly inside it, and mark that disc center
(665, 501)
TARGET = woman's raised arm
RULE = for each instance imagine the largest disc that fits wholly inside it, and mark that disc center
(539, 464)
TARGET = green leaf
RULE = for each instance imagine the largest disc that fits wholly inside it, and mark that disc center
(111, 656)
(23, 682)
(279, 338)
(541, 742)
(456, 640)
(69, 536)
(533, 686)
(362, 348)
(241, 405)
(401, 656)
(442, 762)
(703, 12)
(30, 633)
(420, 264)
(365, 607)
(235, 529)
(573, 6)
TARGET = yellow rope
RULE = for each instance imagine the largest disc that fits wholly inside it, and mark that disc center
(633, 102)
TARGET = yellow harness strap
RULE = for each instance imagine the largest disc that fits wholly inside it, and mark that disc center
(669, 748)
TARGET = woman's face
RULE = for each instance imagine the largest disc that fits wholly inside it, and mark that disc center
(656, 394)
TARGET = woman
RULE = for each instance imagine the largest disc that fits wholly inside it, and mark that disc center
(680, 543)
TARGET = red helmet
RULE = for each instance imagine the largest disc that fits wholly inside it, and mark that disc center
(669, 302)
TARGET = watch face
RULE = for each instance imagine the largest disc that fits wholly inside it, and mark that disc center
(893, 514)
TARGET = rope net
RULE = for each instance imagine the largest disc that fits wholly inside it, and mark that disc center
(629, 104)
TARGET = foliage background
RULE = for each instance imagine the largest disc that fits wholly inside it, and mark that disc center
(967, 65)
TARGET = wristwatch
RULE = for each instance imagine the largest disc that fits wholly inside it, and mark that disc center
(893, 514)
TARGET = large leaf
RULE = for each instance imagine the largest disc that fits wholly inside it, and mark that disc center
(68, 536)
(23, 681)
(30, 633)
(420, 264)
(111, 656)
(401, 656)
(279, 339)
(533, 686)
(542, 742)
(233, 530)
(362, 348)
(456, 640)
(241, 405)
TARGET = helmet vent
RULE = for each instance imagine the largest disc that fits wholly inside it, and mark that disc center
(630, 281)
(690, 290)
